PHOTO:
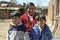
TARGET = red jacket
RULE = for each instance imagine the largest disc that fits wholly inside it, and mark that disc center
(28, 23)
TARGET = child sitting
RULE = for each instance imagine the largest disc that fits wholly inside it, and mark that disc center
(41, 31)
(17, 29)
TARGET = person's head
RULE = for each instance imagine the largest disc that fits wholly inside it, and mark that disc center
(30, 8)
(15, 16)
(41, 20)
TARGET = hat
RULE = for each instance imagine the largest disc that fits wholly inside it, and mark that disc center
(15, 14)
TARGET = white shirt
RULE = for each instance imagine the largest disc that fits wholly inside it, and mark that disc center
(30, 17)
(39, 28)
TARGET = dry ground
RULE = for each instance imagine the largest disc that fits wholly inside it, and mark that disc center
(4, 24)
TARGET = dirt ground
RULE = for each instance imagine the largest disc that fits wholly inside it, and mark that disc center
(4, 24)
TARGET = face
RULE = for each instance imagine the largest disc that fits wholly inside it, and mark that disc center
(41, 22)
(31, 10)
(15, 20)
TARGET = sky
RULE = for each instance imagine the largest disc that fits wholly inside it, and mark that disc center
(36, 2)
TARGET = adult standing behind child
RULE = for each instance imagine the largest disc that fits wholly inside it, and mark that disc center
(28, 18)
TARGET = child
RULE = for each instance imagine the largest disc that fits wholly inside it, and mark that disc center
(17, 30)
(28, 18)
(41, 31)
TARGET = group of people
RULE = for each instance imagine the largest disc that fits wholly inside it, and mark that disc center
(29, 26)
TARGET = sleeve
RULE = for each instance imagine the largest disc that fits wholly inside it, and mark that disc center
(25, 29)
(26, 36)
(50, 36)
(33, 35)
(7, 36)
(11, 35)
(47, 35)
(22, 19)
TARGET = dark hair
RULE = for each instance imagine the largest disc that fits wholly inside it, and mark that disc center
(30, 4)
(41, 16)
(21, 10)
(15, 14)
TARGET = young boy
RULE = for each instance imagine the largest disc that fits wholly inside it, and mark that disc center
(41, 31)
(17, 30)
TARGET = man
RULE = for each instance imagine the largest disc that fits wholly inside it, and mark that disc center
(28, 18)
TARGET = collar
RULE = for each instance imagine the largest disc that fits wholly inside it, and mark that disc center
(39, 28)
(17, 24)
(30, 15)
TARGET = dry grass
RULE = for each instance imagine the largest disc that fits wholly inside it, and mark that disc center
(4, 24)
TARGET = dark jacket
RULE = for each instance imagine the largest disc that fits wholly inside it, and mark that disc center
(46, 33)
(17, 32)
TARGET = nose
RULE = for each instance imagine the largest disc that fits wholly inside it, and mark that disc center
(40, 22)
(31, 9)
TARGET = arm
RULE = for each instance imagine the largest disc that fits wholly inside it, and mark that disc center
(22, 19)
(26, 36)
(47, 34)
(12, 36)
(50, 35)
(33, 35)
(7, 36)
